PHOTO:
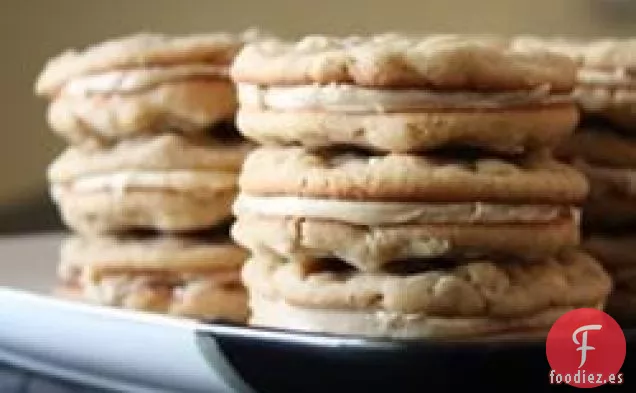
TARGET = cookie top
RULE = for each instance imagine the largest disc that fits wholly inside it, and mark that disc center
(166, 152)
(274, 171)
(445, 62)
(140, 50)
(600, 146)
(476, 288)
(612, 53)
(599, 53)
(574, 48)
(146, 254)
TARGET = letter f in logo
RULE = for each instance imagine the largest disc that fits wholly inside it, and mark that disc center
(584, 347)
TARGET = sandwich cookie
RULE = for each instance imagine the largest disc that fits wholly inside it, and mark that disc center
(393, 93)
(606, 83)
(185, 276)
(165, 182)
(609, 162)
(476, 298)
(140, 84)
(370, 211)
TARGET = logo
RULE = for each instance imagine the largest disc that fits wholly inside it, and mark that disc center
(586, 348)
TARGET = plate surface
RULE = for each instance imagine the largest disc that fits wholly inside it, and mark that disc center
(114, 349)
(140, 352)
(270, 360)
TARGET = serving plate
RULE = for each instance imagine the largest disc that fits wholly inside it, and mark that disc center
(140, 352)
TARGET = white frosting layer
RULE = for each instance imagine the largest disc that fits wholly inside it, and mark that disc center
(276, 313)
(349, 98)
(378, 213)
(177, 180)
(125, 81)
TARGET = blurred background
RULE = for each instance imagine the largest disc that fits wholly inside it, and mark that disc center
(32, 31)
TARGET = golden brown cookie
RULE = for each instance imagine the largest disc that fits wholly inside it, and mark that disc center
(185, 276)
(391, 60)
(403, 94)
(165, 182)
(536, 179)
(511, 130)
(372, 248)
(479, 297)
(606, 87)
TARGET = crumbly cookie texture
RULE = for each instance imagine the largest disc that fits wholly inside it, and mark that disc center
(603, 54)
(171, 254)
(535, 179)
(200, 298)
(140, 50)
(196, 277)
(188, 106)
(111, 211)
(479, 288)
(166, 152)
(372, 248)
(391, 60)
(612, 53)
(510, 130)
(600, 146)
(278, 314)
(573, 48)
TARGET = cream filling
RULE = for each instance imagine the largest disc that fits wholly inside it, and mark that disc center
(378, 213)
(126, 81)
(349, 98)
(615, 77)
(277, 313)
(119, 182)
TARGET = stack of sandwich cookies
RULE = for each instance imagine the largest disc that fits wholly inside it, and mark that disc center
(149, 179)
(423, 199)
(604, 149)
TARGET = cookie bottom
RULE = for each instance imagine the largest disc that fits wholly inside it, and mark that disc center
(200, 299)
(189, 106)
(278, 314)
(105, 212)
(368, 248)
(509, 130)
